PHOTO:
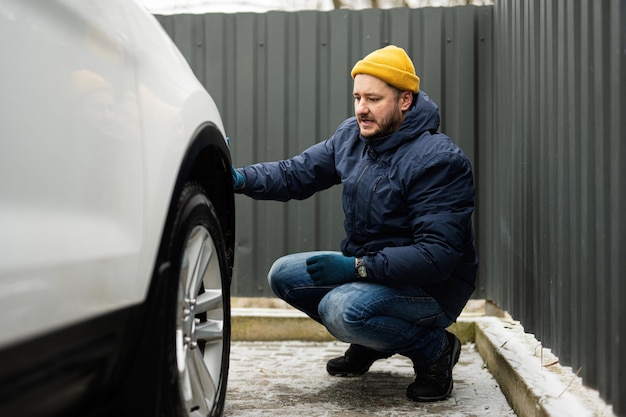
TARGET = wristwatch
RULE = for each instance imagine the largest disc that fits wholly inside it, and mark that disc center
(359, 268)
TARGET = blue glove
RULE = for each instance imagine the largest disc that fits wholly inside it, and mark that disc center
(239, 181)
(330, 269)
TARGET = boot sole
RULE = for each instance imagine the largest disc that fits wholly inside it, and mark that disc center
(348, 373)
(345, 374)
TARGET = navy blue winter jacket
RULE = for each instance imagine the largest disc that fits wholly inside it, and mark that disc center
(408, 200)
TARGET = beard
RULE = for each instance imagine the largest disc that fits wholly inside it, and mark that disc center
(383, 127)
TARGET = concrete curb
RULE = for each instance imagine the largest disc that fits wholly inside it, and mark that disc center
(270, 324)
(265, 319)
(273, 324)
(530, 377)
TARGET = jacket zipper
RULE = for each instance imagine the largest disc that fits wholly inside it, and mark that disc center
(371, 197)
(357, 185)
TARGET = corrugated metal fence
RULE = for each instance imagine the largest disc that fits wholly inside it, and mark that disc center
(531, 90)
(553, 182)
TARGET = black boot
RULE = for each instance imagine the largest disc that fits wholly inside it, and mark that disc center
(356, 361)
(434, 382)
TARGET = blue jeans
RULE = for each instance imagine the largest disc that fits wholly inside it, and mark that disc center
(403, 320)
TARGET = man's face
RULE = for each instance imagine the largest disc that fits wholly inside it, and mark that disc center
(378, 107)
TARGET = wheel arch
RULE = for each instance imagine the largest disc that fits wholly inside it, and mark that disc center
(207, 162)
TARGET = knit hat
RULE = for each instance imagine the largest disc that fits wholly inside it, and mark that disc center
(392, 65)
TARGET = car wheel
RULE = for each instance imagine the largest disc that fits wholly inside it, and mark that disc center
(198, 339)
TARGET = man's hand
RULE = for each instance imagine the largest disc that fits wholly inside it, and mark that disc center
(330, 269)
(238, 179)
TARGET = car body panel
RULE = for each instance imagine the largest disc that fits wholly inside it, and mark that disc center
(82, 204)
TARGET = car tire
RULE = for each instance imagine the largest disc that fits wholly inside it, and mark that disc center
(197, 332)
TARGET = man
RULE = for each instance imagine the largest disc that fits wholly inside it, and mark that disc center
(407, 265)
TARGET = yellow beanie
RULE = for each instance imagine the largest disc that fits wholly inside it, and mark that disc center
(392, 65)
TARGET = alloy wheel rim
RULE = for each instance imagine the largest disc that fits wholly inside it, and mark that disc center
(200, 324)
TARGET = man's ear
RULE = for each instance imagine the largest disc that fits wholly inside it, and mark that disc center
(406, 98)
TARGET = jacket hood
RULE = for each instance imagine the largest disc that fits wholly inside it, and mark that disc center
(423, 116)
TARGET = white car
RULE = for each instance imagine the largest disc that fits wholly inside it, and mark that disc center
(116, 217)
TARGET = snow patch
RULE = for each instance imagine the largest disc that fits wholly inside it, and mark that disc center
(559, 389)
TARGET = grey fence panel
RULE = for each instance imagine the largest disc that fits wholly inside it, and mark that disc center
(552, 187)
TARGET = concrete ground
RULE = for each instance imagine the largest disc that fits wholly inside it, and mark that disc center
(279, 355)
(288, 378)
